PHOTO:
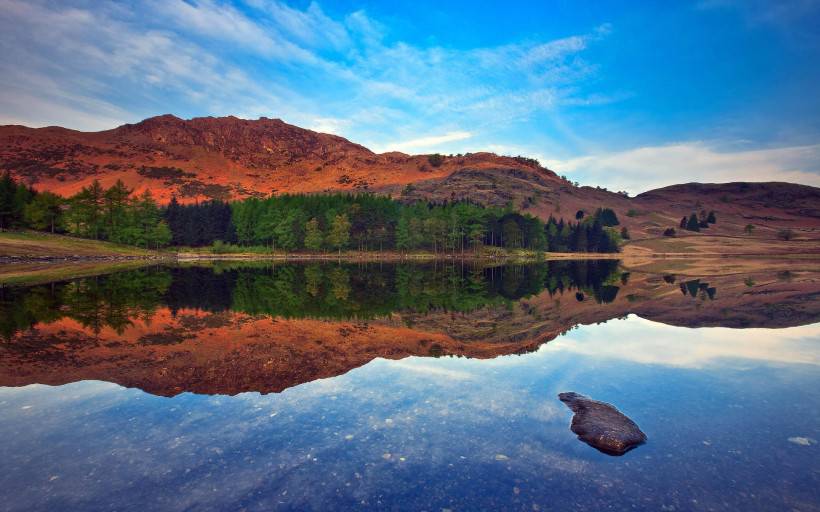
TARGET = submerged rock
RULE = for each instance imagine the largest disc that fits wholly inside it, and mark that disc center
(601, 425)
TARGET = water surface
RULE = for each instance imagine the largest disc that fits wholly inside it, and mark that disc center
(334, 387)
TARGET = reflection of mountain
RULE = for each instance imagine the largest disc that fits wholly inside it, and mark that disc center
(157, 331)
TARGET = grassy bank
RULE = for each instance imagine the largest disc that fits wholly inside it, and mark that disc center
(36, 245)
(31, 273)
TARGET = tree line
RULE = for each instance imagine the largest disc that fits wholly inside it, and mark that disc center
(333, 222)
(301, 222)
(115, 214)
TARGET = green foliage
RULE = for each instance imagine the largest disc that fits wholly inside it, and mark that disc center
(93, 212)
(44, 211)
(435, 159)
(607, 217)
(749, 228)
(313, 235)
(339, 234)
(532, 162)
(693, 224)
(13, 200)
(711, 218)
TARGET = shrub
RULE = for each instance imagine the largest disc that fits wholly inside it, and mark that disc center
(669, 232)
(436, 159)
(532, 162)
(785, 234)
(693, 224)
(607, 217)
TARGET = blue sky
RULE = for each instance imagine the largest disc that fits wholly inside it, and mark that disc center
(626, 96)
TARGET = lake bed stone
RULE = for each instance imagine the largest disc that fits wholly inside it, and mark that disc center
(601, 425)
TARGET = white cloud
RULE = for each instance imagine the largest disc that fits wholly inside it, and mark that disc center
(209, 57)
(647, 342)
(641, 169)
(328, 125)
(421, 366)
(425, 144)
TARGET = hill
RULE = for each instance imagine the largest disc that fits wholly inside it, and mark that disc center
(232, 158)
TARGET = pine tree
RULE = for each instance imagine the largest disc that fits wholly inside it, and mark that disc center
(313, 235)
(159, 235)
(339, 232)
(44, 211)
(173, 217)
(693, 224)
(286, 232)
(711, 219)
(8, 188)
(403, 236)
(115, 200)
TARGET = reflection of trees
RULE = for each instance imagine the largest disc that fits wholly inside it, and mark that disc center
(297, 291)
(313, 280)
(339, 281)
(696, 288)
(95, 302)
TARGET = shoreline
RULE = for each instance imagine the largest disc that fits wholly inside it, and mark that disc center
(396, 257)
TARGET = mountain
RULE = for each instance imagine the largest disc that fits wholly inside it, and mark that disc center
(228, 157)
(218, 158)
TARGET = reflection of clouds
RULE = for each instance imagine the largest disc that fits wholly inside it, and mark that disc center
(647, 342)
(440, 423)
(418, 366)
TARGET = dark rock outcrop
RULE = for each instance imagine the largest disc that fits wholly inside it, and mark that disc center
(601, 425)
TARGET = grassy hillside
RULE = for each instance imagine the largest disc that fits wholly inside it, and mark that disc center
(39, 245)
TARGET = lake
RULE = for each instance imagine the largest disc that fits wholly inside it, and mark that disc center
(327, 386)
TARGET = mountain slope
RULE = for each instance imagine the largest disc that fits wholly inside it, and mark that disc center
(231, 158)
(215, 158)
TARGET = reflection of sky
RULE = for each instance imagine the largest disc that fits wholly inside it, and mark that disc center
(644, 341)
(719, 407)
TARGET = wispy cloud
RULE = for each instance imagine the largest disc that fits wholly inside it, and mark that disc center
(265, 57)
(641, 169)
(423, 144)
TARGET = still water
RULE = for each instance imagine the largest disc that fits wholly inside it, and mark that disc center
(397, 387)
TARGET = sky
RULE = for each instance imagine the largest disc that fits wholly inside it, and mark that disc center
(630, 96)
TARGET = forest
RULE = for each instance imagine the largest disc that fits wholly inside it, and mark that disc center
(301, 222)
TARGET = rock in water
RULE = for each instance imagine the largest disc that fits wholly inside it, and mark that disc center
(601, 425)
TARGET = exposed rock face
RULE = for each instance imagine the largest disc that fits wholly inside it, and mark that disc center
(601, 425)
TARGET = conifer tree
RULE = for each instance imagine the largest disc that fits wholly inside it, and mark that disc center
(313, 235)
(339, 233)
(44, 211)
(693, 224)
